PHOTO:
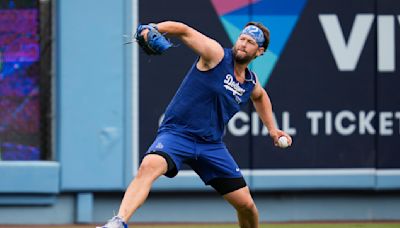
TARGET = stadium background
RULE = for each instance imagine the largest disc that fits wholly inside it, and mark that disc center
(331, 72)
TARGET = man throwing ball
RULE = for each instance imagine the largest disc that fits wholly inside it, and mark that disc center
(213, 90)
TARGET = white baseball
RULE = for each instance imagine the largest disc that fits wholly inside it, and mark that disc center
(283, 142)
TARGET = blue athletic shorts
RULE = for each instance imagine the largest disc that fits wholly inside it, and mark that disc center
(209, 160)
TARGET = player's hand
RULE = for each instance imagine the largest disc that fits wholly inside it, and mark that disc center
(276, 134)
(151, 40)
(144, 34)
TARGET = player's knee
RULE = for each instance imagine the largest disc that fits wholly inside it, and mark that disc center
(147, 170)
(247, 207)
(152, 167)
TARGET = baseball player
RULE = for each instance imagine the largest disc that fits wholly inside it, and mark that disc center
(213, 90)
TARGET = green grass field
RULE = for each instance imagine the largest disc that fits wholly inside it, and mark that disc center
(286, 225)
(350, 225)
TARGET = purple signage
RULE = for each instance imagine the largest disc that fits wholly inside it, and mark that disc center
(19, 83)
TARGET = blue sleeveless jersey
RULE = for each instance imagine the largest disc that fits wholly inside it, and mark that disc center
(207, 100)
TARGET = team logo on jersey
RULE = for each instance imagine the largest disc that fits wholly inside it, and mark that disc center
(234, 87)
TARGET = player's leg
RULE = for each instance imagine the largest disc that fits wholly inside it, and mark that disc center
(246, 209)
(152, 167)
(164, 157)
(236, 192)
(217, 168)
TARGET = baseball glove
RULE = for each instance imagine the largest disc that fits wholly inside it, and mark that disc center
(156, 43)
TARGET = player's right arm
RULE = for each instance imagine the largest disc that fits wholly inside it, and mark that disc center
(263, 106)
(209, 50)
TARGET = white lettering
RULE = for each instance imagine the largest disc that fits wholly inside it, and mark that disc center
(364, 122)
(234, 129)
(328, 123)
(344, 123)
(314, 116)
(286, 124)
(346, 55)
(386, 43)
(255, 124)
(233, 86)
(240, 124)
(339, 122)
(385, 123)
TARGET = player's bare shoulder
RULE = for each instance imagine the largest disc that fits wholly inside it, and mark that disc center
(212, 57)
(209, 50)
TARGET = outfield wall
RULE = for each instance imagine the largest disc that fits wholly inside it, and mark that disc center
(332, 74)
(208, 208)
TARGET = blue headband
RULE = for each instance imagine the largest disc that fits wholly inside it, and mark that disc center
(255, 33)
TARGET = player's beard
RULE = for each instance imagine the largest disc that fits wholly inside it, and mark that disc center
(242, 59)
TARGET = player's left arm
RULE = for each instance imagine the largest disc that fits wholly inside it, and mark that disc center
(263, 106)
(209, 50)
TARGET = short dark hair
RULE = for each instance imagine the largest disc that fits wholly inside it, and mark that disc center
(264, 30)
